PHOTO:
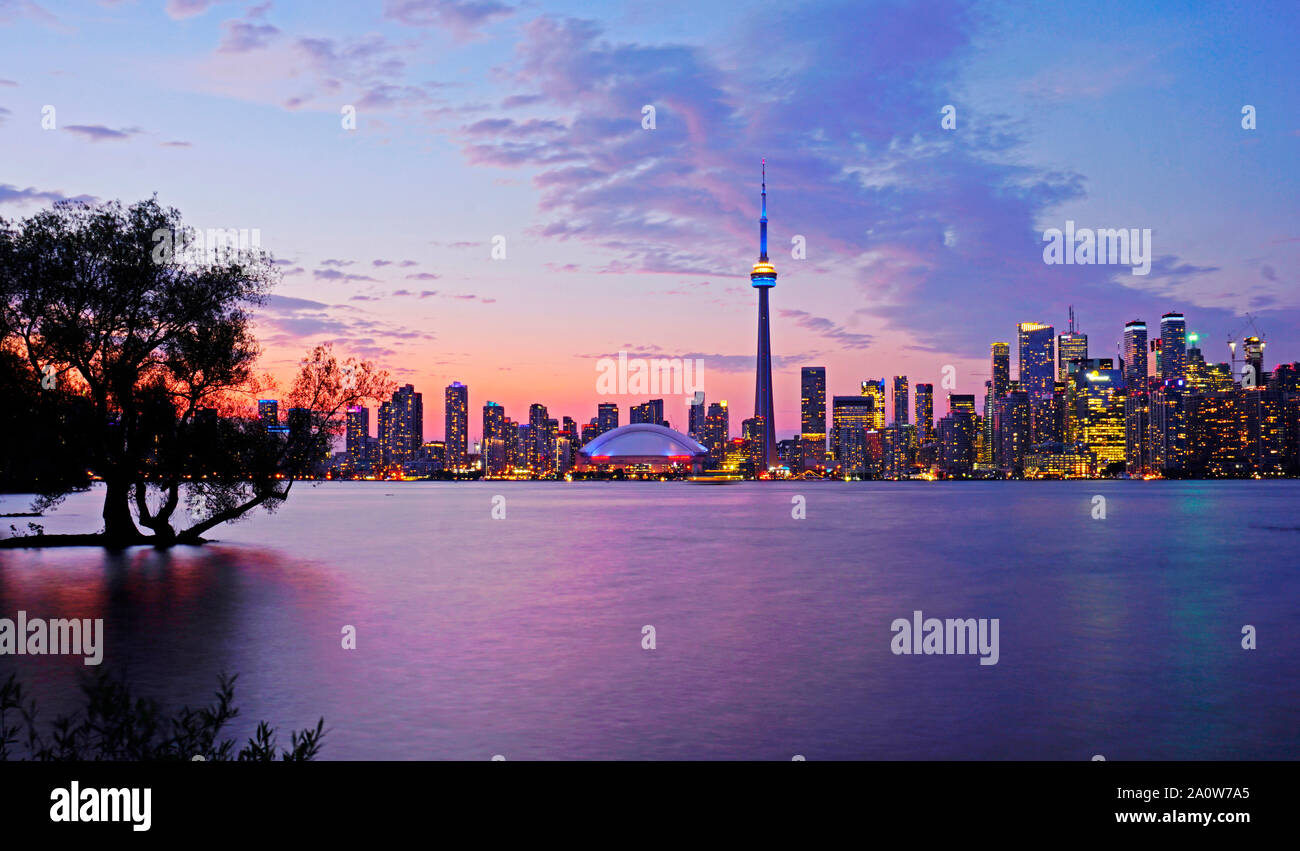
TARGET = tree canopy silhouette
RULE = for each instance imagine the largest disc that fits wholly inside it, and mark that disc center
(135, 357)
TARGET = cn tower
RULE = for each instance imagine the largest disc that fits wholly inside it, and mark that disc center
(763, 278)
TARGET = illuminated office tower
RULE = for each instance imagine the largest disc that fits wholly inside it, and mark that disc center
(1169, 426)
(1253, 349)
(874, 390)
(551, 440)
(1037, 368)
(563, 452)
(1216, 435)
(515, 452)
(1071, 346)
(1137, 430)
(1011, 429)
(698, 414)
(1265, 431)
(962, 403)
(1173, 346)
(1046, 414)
(717, 433)
(1001, 369)
(1099, 399)
(850, 416)
(268, 411)
(606, 417)
(1135, 353)
(900, 400)
(898, 442)
(539, 449)
(763, 278)
(569, 435)
(957, 438)
(494, 439)
(812, 416)
(651, 412)
(406, 430)
(925, 412)
(987, 455)
(752, 431)
(457, 422)
(385, 433)
(357, 437)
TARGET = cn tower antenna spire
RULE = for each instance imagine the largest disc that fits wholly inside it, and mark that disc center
(762, 222)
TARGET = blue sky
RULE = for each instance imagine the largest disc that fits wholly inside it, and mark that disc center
(485, 118)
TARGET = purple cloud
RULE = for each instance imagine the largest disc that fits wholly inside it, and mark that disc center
(100, 133)
(463, 18)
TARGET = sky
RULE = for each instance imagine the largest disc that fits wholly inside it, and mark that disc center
(488, 123)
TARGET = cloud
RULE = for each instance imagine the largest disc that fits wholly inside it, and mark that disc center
(828, 329)
(423, 276)
(244, 36)
(336, 275)
(180, 9)
(462, 18)
(100, 133)
(299, 321)
(10, 194)
(906, 216)
(12, 10)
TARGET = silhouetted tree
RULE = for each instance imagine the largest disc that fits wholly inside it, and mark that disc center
(149, 348)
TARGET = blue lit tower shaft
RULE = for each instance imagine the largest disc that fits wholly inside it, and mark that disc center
(763, 278)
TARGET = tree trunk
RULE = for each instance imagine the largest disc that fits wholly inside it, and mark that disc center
(119, 527)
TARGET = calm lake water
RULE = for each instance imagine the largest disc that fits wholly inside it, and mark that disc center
(523, 636)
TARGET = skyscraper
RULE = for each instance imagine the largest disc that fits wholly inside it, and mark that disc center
(874, 389)
(925, 412)
(900, 400)
(851, 418)
(1071, 346)
(385, 433)
(812, 415)
(268, 411)
(537, 447)
(402, 423)
(457, 433)
(1001, 376)
(494, 439)
(1173, 346)
(606, 417)
(698, 415)
(1037, 372)
(1135, 354)
(358, 436)
(648, 412)
(717, 430)
(763, 278)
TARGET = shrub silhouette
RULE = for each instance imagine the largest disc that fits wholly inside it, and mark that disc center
(115, 726)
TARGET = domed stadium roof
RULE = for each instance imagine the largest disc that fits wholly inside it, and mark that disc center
(642, 443)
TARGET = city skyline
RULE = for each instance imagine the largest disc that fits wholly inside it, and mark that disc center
(1068, 412)
(1045, 331)
(900, 241)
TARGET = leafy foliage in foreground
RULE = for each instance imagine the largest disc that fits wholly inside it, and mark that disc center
(115, 726)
